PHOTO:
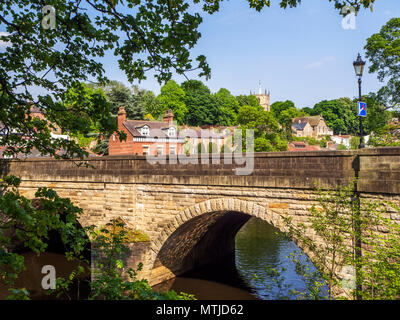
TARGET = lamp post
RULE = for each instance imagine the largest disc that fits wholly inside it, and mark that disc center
(359, 65)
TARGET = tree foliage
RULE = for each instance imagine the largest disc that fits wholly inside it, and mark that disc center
(339, 115)
(172, 97)
(228, 107)
(284, 112)
(383, 51)
(113, 279)
(28, 223)
(354, 234)
(265, 126)
(136, 101)
(249, 100)
(201, 104)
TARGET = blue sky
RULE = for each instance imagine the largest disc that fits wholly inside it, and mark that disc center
(301, 54)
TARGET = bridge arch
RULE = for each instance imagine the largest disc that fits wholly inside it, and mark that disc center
(189, 239)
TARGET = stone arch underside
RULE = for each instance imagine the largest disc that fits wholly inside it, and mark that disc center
(202, 234)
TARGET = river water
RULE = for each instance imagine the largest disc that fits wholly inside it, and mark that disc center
(258, 246)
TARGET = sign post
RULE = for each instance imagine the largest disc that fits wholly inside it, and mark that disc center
(362, 109)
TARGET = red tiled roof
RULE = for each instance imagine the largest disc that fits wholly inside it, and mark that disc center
(305, 147)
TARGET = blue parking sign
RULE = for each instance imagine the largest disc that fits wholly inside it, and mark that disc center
(362, 109)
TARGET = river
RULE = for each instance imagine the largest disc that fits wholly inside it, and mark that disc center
(258, 246)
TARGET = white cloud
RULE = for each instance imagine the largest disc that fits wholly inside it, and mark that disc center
(4, 43)
(320, 63)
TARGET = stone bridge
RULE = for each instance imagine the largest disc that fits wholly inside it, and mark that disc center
(192, 212)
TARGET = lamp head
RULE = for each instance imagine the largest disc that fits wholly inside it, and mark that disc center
(359, 65)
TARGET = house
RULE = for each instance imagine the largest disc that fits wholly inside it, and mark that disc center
(394, 122)
(55, 130)
(146, 137)
(218, 135)
(310, 127)
(342, 139)
(55, 133)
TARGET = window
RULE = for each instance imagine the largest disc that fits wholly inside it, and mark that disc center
(113, 137)
(172, 150)
(146, 150)
(171, 132)
(145, 131)
(160, 150)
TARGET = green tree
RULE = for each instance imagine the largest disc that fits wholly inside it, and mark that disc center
(29, 224)
(118, 96)
(308, 111)
(250, 100)
(339, 115)
(347, 226)
(172, 97)
(377, 115)
(228, 106)
(110, 243)
(278, 107)
(265, 126)
(354, 143)
(286, 120)
(388, 136)
(323, 143)
(134, 99)
(149, 101)
(142, 101)
(382, 50)
(86, 128)
(284, 112)
(201, 104)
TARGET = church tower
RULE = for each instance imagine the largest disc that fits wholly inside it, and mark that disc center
(263, 98)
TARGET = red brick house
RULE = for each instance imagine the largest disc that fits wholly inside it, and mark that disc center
(146, 137)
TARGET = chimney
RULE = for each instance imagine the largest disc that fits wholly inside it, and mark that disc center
(168, 117)
(121, 117)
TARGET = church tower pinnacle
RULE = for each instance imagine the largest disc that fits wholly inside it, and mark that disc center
(263, 98)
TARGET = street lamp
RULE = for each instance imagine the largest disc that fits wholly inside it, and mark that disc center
(359, 65)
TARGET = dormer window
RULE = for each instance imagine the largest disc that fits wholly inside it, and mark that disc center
(145, 131)
(171, 132)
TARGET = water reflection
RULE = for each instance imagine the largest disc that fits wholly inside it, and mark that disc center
(31, 278)
(204, 289)
(258, 245)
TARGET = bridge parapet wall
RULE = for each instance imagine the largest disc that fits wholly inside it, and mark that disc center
(378, 170)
